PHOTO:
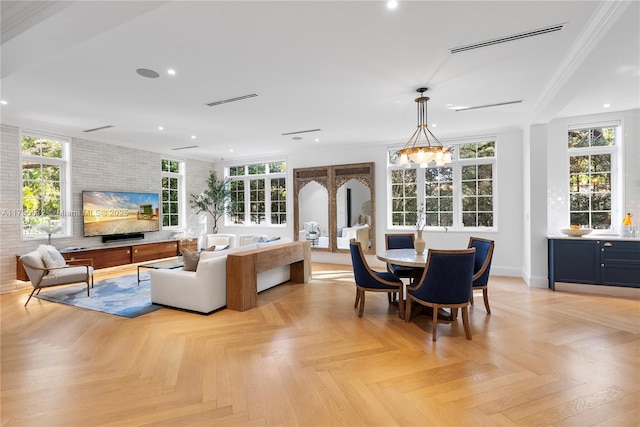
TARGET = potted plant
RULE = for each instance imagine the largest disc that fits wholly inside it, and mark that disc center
(214, 200)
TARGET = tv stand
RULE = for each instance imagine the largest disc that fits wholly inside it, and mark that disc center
(111, 256)
(112, 237)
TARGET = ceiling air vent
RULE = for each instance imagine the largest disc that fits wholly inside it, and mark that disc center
(510, 38)
(487, 106)
(100, 128)
(301, 131)
(185, 148)
(226, 101)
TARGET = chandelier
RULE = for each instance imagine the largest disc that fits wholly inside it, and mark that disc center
(423, 147)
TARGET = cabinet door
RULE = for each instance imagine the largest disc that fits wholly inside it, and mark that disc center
(576, 261)
(620, 263)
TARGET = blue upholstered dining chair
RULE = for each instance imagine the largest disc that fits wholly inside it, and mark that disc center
(445, 283)
(400, 241)
(482, 265)
(369, 280)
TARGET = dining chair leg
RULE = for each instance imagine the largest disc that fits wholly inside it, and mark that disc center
(407, 309)
(454, 314)
(401, 306)
(465, 322)
(361, 310)
(357, 298)
(435, 322)
(485, 295)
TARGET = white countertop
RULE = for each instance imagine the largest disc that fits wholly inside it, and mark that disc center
(611, 237)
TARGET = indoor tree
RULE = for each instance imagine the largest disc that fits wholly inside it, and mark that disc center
(214, 200)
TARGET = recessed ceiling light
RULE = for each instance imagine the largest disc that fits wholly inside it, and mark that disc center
(3, 102)
(607, 105)
(433, 125)
(317, 140)
(150, 74)
(171, 72)
(392, 4)
(193, 137)
(160, 127)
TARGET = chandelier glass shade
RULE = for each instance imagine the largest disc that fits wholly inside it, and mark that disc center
(423, 147)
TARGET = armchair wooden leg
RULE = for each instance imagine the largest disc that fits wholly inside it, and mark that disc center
(30, 295)
(465, 322)
(407, 309)
(361, 310)
(435, 322)
(355, 305)
(485, 295)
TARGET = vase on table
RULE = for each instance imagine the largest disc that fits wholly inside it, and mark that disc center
(419, 244)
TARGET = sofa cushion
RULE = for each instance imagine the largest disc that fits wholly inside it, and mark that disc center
(190, 259)
(51, 257)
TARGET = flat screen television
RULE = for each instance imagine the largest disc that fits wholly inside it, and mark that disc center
(118, 213)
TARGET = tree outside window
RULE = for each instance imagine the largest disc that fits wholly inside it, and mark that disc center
(591, 153)
(44, 163)
(459, 195)
(171, 193)
(258, 193)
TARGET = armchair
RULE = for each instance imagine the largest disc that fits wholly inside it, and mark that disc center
(445, 283)
(59, 273)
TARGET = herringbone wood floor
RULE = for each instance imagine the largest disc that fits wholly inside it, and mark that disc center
(304, 358)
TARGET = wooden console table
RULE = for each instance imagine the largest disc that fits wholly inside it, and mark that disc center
(243, 269)
(111, 256)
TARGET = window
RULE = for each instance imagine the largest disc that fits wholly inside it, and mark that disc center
(258, 193)
(592, 155)
(172, 199)
(459, 195)
(45, 187)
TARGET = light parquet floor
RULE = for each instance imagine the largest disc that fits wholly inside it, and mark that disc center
(304, 358)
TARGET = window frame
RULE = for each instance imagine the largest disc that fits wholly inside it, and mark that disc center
(456, 166)
(182, 218)
(616, 152)
(64, 163)
(267, 176)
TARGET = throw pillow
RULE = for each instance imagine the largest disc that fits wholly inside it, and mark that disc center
(51, 257)
(190, 259)
(210, 248)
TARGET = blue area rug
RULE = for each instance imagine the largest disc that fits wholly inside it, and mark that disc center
(119, 295)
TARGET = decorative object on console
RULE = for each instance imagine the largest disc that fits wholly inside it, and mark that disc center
(50, 227)
(431, 151)
(421, 221)
(214, 200)
(576, 232)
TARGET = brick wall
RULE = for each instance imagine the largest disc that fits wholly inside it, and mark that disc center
(94, 166)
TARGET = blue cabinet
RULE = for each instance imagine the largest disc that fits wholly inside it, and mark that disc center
(594, 262)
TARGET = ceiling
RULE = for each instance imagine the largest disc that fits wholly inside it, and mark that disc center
(348, 68)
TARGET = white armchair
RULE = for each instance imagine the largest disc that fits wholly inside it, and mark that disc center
(220, 240)
(57, 273)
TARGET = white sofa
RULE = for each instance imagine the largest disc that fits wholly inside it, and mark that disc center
(205, 289)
